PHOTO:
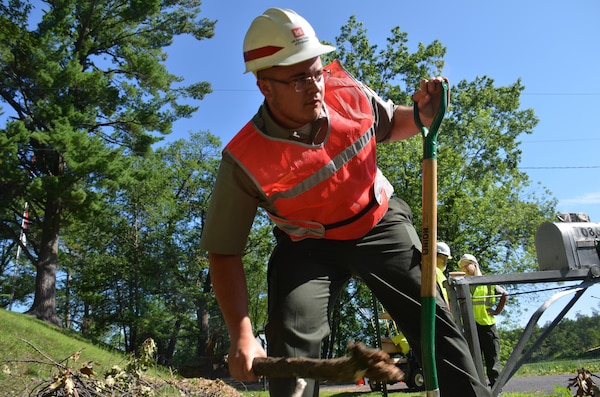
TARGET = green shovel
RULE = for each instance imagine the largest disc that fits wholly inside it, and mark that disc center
(429, 242)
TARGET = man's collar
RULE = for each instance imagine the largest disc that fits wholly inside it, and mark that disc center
(271, 128)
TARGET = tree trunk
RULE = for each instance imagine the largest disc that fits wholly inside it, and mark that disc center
(87, 320)
(202, 317)
(172, 342)
(67, 313)
(44, 302)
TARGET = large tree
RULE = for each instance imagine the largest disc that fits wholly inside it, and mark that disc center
(87, 89)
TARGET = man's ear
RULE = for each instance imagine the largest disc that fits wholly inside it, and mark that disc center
(265, 87)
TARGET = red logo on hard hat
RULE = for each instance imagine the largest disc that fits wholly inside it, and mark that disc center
(297, 32)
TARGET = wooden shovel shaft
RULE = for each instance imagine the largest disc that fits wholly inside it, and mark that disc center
(429, 228)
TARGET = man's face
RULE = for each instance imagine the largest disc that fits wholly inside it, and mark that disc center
(442, 261)
(280, 86)
(468, 267)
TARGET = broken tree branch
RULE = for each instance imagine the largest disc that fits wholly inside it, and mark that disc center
(363, 362)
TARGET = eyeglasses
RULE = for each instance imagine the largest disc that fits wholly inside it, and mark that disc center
(303, 83)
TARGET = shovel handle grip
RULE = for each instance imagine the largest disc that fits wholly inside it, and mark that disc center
(430, 134)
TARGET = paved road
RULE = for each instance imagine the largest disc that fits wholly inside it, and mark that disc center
(536, 384)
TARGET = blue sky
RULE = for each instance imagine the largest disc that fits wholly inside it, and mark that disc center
(551, 46)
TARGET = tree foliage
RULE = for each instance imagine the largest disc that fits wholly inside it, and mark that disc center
(139, 272)
(86, 85)
(576, 338)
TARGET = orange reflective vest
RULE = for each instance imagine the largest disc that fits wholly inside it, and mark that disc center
(333, 190)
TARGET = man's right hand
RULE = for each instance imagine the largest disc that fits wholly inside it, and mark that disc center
(242, 352)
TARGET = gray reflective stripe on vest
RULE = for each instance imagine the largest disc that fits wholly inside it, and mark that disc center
(329, 169)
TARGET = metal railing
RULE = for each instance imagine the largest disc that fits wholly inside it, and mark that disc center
(461, 306)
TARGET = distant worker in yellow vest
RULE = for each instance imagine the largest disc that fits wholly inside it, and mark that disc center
(443, 256)
(396, 344)
(484, 298)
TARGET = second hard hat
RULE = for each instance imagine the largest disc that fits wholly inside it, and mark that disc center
(469, 258)
(280, 37)
(444, 249)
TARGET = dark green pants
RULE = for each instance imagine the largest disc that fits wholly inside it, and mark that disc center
(306, 277)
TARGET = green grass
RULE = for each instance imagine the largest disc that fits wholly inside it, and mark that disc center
(28, 348)
(559, 367)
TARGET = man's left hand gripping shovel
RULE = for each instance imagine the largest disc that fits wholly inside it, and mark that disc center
(429, 241)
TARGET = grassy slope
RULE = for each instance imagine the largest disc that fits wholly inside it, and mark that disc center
(17, 329)
(28, 347)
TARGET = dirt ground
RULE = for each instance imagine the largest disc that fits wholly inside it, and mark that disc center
(213, 388)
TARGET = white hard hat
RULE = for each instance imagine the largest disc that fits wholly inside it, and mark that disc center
(444, 249)
(469, 258)
(280, 37)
